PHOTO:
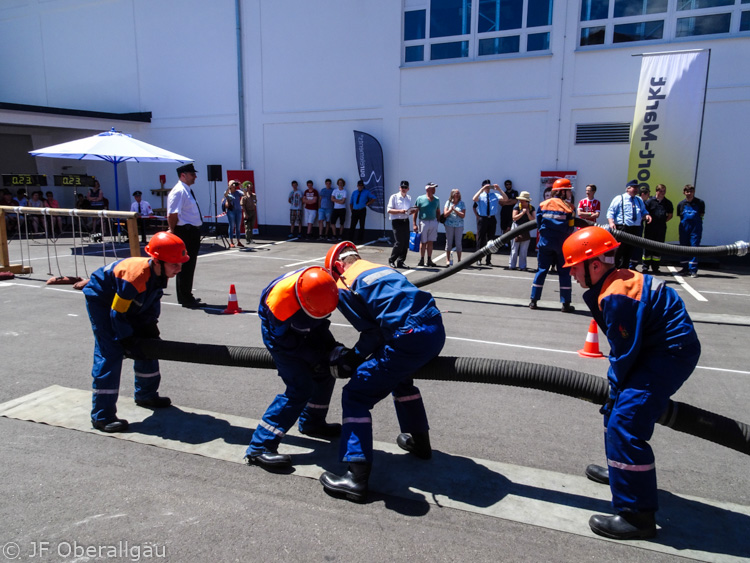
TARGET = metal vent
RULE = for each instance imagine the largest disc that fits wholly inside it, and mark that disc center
(588, 133)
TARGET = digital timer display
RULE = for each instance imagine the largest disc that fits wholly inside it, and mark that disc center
(22, 180)
(74, 180)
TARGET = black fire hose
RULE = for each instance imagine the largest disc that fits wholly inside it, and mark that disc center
(739, 248)
(678, 416)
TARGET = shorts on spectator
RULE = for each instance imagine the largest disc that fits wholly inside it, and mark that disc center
(295, 216)
(428, 230)
(311, 216)
(325, 214)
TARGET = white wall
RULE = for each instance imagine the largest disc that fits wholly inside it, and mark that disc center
(315, 71)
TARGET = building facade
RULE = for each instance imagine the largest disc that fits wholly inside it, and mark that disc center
(455, 91)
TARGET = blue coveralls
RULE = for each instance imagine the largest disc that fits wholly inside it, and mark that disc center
(691, 228)
(653, 350)
(300, 346)
(554, 221)
(401, 329)
(121, 297)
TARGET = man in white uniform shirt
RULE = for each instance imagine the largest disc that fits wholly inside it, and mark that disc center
(399, 209)
(143, 209)
(184, 220)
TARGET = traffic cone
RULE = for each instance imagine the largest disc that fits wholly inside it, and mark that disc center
(591, 347)
(232, 307)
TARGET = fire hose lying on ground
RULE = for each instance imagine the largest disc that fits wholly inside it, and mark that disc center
(678, 416)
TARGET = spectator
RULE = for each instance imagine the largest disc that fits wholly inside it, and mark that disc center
(249, 205)
(486, 203)
(661, 211)
(690, 211)
(37, 224)
(22, 198)
(123, 300)
(589, 208)
(339, 208)
(311, 201)
(11, 218)
(427, 214)
(295, 210)
(554, 223)
(184, 220)
(399, 208)
(454, 213)
(400, 330)
(294, 311)
(143, 209)
(95, 198)
(523, 212)
(626, 213)
(325, 211)
(506, 207)
(358, 204)
(232, 205)
(653, 350)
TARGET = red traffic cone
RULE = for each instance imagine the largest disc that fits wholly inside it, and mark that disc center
(232, 307)
(591, 347)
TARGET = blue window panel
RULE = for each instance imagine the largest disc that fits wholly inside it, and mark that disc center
(537, 42)
(500, 15)
(454, 50)
(698, 4)
(626, 8)
(592, 36)
(450, 17)
(641, 31)
(540, 13)
(499, 45)
(594, 10)
(745, 21)
(703, 25)
(414, 25)
(414, 54)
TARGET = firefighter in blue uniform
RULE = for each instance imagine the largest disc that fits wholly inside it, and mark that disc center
(293, 312)
(653, 350)
(690, 211)
(123, 300)
(401, 329)
(554, 220)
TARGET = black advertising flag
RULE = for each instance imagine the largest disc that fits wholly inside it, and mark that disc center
(370, 166)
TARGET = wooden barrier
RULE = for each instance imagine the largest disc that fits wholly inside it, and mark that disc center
(131, 221)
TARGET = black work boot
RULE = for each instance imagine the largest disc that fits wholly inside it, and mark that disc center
(270, 461)
(532, 304)
(598, 474)
(156, 402)
(417, 444)
(112, 426)
(624, 526)
(352, 485)
(567, 307)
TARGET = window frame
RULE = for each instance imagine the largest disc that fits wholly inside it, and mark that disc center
(669, 17)
(473, 38)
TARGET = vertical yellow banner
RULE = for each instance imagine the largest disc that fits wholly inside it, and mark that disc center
(665, 138)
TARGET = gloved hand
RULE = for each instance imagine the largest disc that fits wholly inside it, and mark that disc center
(147, 331)
(132, 348)
(344, 362)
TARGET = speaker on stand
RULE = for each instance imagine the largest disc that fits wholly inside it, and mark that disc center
(215, 175)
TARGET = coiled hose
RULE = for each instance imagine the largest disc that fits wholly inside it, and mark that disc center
(739, 248)
(678, 416)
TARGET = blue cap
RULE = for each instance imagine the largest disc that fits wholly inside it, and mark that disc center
(632, 183)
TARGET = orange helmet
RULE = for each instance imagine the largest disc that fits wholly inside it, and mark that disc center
(167, 247)
(316, 292)
(337, 252)
(586, 243)
(562, 184)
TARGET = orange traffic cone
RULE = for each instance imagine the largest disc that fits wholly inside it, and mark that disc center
(591, 347)
(232, 307)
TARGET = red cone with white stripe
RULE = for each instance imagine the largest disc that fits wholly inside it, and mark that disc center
(591, 347)
(232, 307)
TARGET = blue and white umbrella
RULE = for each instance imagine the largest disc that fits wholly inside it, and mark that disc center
(112, 146)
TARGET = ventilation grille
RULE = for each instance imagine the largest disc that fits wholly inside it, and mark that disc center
(589, 133)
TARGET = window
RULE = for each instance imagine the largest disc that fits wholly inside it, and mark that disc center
(608, 22)
(440, 30)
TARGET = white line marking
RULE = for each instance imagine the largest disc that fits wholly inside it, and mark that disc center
(683, 283)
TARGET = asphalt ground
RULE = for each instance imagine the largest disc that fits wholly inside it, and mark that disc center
(73, 488)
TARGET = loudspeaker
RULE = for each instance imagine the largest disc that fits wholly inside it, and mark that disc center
(214, 173)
